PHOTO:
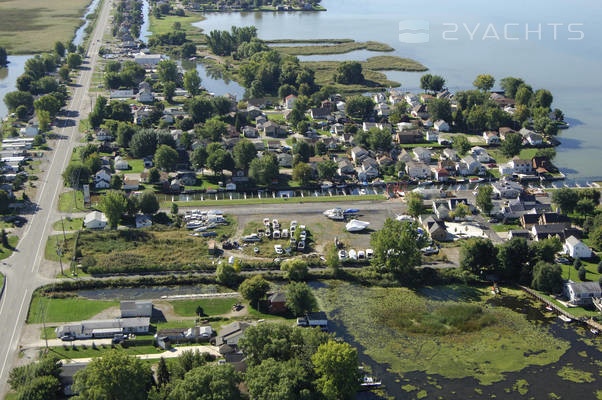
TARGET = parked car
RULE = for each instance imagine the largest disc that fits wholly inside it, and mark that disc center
(342, 254)
(252, 238)
(562, 260)
(67, 338)
(278, 249)
(369, 254)
(208, 234)
(429, 251)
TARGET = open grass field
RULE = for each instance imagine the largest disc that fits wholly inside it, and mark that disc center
(159, 248)
(339, 48)
(67, 204)
(454, 343)
(217, 306)
(33, 26)
(65, 310)
(165, 24)
(69, 224)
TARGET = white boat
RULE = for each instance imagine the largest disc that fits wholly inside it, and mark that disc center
(335, 214)
(356, 226)
(404, 217)
(564, 318)
(353, 254)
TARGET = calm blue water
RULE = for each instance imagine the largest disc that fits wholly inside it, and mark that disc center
(569, 68)
(144, 32)
(80, 33)
(8, 79)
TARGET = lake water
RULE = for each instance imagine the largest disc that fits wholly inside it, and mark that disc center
(569, 68)
(81, 31)
(213, 81)
(8, 79)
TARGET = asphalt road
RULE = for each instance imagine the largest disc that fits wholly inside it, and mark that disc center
(22, 269)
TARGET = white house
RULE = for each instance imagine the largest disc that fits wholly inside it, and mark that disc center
(441, 126)
(505, 169)
(95, 220)
(121, 164)
(418, 170)
(358, 154)
(422, 154)
(289, 101)
(534, 139)
(576, 248)
(469, 166)
(145, 96)
(451, 154)
(147, 59)
(521, 166)
(581, 292)
(121, 94)
(491, 138)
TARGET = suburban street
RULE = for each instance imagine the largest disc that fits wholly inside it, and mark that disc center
(23, 268)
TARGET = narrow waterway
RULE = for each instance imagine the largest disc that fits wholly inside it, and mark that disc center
(144, 29)
(80, 34)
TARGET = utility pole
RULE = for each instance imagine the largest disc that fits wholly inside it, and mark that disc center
(59, 252)
(64, 235)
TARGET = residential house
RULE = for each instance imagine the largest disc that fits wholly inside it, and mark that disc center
(432, 136)
(409, 137)
(540, 232)
(441, 210)
(102, 179)
(345, 167)
(527, 220)
(491, 138)
(422, 154)
(469, 166)
(441, 126)
(435, 228)
(272, 129)
(518, 233)
(506, 189)
(121, 94)
(505, 131)
(505, 169)
(575, 248)
(250, 132)
(147, 60)
(231, 333)
(385, 160)
(253, 112)
(418, 170)
(289, 101)
(555, 218)
(370, 168)
(534, 139)
(442, 175)
(520, 166)
(382, 110)
(405, 156)
(95, 220)
(143, 221)
(260, 120)
(405, 126)
(121, 164)
(130, 184)
(412, 99)
(31, 130)
(379, 98)
(145, 96)
(260, 102)
(104, 135)
(358, 154)
(582, 293)
(420, 111)
(501, 100)
(285, 160)
(451, 154)
(319, 113)
(277, 303)
(444, 94)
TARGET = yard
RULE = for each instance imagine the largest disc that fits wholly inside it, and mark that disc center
(12, 244)
(68, 205)
(211, 307)
(68, 224)
(44, 309)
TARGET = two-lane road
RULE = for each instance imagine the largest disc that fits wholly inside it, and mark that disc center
(23, 267)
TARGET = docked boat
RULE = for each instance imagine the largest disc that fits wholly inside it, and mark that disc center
(565, 318)
(356, 226)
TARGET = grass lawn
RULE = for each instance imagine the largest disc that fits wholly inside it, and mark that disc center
(165, 25)
(217, 306)
(65, 310)
(68, 352)
(136, 166)
(505, 227)
(55, 241)
(12, 243)
(66, 203)
(32, 26)
(299, 200)
(591, 276)
(525, 154)
(69, 224)
(575, 311)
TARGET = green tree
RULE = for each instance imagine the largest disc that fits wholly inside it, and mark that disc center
(543, 98)
(279, 380)
(566, 199)
(116, 181)
(336, 365)
(434, 83)
(582, 273)
(148, 203)
(20, 377)
(115, 376)
(169, 89)
(440, 109)
(40, 388)
(219, 160)
(254, 289)
(483, 199)
(192, 82)
(264, 170)
(188, 50)
(511, 145)
(513, 258)
(3, 57)
(162, 373)
(585, 207)
(545, 250)
(125, 132)
(216, 382)
(74, 60)
(397, 248)
(359, 107)
(510, 86)
(198, 158)
(48, 103)
(478, 256)
(175, 209)
(461, 211)
(167, 71)
(461, 145)
(484, 82)
(76, 174)
(186, 362)
(415, 204)
(299, 298)
(303, 173)
(332, 259)
(64, 73)
(166, 158)
(379, 140)
(244, 152)
(327, 169)
(349, 73)
(22, 113)
(523, 96)
(18, 98)
(547, 277)
(296, 270)
(226, 275)
(143, 143)
(113, 204)
(214, 130)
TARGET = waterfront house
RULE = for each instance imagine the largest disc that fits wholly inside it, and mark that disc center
(442, 175)
(451, 154)
(289, 101)
(418, 170)
(575, 248)
(581, 293)
(358, 154)
(520, 166)
(469, 166)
